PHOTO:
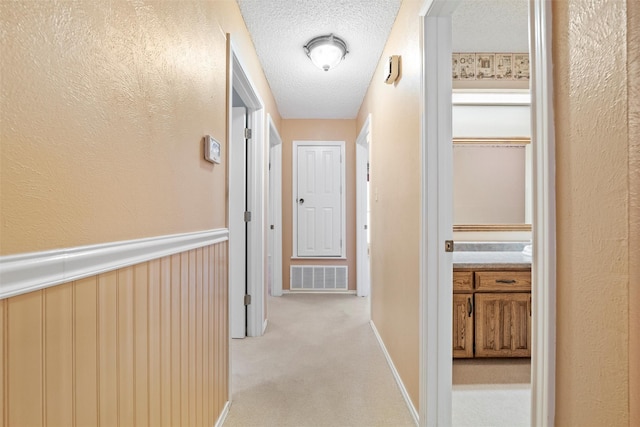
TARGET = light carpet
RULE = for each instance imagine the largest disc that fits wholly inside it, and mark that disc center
(318, 364)
(491, 405)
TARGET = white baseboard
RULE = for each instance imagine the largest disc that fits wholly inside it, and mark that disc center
(30, 272)
(264, 325)
(223, 416)
(396, 375)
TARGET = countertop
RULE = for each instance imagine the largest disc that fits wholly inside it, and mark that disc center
(491, 259)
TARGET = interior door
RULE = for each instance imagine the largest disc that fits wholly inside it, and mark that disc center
(237, 224)
(319, 201)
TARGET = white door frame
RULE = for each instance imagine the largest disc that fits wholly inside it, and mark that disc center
(239, 154)
(275, 207)
(435, 264)
(257, 179)
(436, 286)
(362, 257)
(543, 368)
(343, 197)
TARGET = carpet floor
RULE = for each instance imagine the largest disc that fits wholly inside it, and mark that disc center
(318, 364)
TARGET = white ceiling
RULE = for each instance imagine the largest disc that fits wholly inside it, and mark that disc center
(280, 29)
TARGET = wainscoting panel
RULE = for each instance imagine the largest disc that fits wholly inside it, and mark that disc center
(142, 345)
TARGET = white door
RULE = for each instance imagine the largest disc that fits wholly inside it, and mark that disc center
(237, 224)
(362, 224)
(319, 201)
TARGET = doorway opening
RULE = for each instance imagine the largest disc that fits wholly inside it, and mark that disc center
(246, 162)
(436, 261)
(274, 287)
(362, 210)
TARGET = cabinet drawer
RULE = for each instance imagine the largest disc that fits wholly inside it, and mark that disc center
(503, 280)
(462, 281)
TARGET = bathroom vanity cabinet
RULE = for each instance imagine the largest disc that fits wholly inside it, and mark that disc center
(491, 312)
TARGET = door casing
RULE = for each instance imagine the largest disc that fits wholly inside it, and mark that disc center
(240, 81)
(275, 208)
(238, 189)
(363, 286)
(343, 236)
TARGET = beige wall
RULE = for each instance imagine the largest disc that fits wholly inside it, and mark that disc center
(104, 107)
(318, 130)
(395, 197)
(143, 345)
(593, 224)
(633, 52)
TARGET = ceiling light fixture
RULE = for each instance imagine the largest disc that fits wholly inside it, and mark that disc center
(326, 52)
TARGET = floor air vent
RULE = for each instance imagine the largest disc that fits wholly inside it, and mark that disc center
(319, 278)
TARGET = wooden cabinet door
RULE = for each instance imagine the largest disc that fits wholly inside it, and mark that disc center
(503, 324)
(462, 325)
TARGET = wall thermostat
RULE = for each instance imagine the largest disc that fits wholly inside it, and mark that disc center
(393, 71)
(211, 149)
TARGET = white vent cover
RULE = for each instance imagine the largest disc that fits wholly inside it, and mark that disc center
(319, 278)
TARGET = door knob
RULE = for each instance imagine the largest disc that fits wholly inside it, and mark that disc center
(301, 201)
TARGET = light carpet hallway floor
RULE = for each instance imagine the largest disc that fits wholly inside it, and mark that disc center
(318, 364)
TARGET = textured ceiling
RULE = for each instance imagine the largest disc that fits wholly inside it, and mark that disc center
(280, 28)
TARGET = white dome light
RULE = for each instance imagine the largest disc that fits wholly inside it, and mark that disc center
(326, 52)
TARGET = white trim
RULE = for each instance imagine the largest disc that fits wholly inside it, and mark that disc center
(223, 415)
(242, 83)
(38, 270)
(396, 375)
(275, 206)
(264, 325)
(543, 368)
(469, 97)
(343, 213)
(363, 283)
(436, 286)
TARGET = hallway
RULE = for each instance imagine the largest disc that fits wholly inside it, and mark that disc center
(318, 364)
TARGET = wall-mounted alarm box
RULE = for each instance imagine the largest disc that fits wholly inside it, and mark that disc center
(393, 71)
(211, 149)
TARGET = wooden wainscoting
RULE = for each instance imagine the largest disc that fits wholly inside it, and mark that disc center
(143, 345)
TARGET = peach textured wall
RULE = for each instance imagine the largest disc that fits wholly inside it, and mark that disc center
(318, 130)
(633, 58)
(395, 197)
(143, 345)
(593, 233)
(104, 106)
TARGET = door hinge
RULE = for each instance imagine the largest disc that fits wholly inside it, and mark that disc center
(448, 245)
(273, 227)
(366, 227)
(247, 299)
(247, 216)
(247, 133)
